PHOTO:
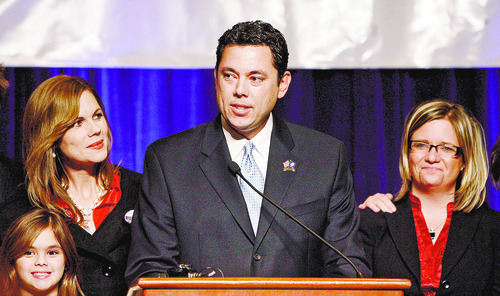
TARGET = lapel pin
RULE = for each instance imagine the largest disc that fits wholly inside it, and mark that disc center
(128, 216)
(289, 165)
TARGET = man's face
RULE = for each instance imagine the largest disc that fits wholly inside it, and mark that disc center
(247, 88)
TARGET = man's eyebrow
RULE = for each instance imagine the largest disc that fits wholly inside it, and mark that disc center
(228, 69)
(261, 72)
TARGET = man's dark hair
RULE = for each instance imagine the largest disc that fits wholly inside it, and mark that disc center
(495, 163)
(256, 33)
(4, 84)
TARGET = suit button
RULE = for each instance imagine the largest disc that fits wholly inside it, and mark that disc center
(445, 284)
(108, 271)
(257, 256)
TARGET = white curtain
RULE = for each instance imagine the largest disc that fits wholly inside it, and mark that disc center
(322, 34)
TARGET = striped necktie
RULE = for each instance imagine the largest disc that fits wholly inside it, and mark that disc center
(251, 171)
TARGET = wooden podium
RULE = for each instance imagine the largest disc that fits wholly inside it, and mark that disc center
(270, 286)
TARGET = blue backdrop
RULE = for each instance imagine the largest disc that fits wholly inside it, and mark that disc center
(363, 108)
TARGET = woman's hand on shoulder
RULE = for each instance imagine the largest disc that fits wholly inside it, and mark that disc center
(379, 202)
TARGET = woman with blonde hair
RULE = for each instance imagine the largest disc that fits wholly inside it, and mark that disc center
(440, 233)
(38, 257)
(66, 145)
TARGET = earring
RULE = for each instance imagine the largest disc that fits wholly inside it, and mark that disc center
(54, 154)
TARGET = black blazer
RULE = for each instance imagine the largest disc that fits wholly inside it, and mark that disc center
(191, 208)
(103, 254)
(471, 261)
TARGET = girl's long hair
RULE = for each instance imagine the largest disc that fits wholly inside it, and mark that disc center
(20, 237)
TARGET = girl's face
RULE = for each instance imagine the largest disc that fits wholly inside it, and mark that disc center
(41, 267)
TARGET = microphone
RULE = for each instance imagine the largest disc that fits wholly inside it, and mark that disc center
(186, 270)
(235, 170)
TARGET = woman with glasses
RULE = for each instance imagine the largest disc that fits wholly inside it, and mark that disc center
(442, 235)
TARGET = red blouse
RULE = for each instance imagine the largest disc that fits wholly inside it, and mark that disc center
(108, 203)
(431, 255)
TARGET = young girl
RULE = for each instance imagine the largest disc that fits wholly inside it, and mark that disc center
(38, 257)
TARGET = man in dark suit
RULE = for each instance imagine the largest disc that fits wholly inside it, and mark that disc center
(11, 172)
(192, 209)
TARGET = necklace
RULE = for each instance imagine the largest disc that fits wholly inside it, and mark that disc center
(87, 212)
(432, 231)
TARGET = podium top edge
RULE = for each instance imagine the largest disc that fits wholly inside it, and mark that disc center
(273, 283)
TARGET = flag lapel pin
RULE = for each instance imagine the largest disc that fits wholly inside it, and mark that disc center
(289, 165)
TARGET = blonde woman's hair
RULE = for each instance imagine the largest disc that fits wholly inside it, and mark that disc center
(52, 109)
(21, 236)
(471, 183)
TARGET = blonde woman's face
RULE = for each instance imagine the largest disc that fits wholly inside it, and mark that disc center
(41, 267)
(86, 142)
(429, 169)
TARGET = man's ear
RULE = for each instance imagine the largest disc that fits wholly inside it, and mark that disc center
(284, 84)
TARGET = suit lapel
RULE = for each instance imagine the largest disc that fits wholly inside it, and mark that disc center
(112, 228)
(87, 242)
(277, 180)
(402, 227)
(215, 168)
(462, 229)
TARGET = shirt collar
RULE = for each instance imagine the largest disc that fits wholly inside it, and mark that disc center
(416, 203)
(262, 141)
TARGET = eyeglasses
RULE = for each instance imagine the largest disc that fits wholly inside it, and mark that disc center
(445, 150)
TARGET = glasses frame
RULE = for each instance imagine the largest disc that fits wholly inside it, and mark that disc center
(458, 153)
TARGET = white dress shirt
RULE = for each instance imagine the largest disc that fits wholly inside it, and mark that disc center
(262, 142)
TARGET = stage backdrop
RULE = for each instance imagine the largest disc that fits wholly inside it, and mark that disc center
(360, 65)
(322, 34)
(363, 108)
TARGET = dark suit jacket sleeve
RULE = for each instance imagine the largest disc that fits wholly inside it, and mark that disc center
(154, 240)
(343, 223)
(373, 227)
(16, 205)
(369, 226)
(11, 176)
